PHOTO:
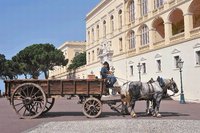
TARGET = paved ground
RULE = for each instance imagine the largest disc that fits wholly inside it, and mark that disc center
(120, 126)
(67, 111)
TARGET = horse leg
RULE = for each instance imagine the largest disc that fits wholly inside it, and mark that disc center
(133, 114)
(158, 100)
(124, 109)
(147, 107)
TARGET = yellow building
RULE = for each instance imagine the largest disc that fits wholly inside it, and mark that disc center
(70, 50)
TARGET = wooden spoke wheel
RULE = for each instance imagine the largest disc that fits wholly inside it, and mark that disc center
(92, 107)
(28, 100)
(49, 105)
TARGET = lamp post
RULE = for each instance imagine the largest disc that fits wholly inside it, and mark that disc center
(139, 70)
(180, 66)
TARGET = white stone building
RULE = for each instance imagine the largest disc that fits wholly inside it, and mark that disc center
(154, 33)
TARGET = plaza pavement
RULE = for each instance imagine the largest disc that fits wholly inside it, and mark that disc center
(66, 117)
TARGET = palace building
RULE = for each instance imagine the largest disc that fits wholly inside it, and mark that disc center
(149, 34)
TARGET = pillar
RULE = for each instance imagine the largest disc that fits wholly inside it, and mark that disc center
(188, 24)
(168, 32)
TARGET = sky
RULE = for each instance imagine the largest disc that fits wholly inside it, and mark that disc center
(26, 22)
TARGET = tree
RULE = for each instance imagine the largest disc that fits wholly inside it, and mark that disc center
(8, 68)
(2, 62)
(78, 60)
(39, 58)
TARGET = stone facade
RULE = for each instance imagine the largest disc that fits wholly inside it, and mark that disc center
(154, 33)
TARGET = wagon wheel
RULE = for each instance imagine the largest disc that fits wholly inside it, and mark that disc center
(28, 100)
(92, 107)
(49, 105)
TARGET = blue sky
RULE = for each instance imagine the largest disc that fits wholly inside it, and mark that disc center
(26, 22)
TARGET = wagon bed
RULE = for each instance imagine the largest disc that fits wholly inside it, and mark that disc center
(31, 98)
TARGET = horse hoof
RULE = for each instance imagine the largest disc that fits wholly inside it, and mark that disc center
(133, 115)
(154, 115)
(158, 115)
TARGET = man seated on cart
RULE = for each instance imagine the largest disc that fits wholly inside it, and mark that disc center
(108, 76)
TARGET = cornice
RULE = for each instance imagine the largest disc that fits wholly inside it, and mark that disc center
(101, 5)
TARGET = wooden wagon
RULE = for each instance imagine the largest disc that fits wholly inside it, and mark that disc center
(31, 98)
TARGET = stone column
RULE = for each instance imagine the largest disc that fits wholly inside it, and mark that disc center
(137, 11)
(150, 5)
(151, 37)
(188, 24)
(137, 43)
(168, 32)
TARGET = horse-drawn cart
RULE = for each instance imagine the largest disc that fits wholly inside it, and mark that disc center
(31, 98)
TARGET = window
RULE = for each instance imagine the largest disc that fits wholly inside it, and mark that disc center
(131, 70)
(197, 57)
(120, 19)
(97, 32)
(92, 35)
(89, 57)
(159, 65)
(144, 68)
(132, 40)
(104, 28)
(93, 55)
(158, 3)
(112, 23)
(144, 8)
(88, 36)
(145, 35)
(120, 44)
(98, 51)
(176, 59)
(132, 11)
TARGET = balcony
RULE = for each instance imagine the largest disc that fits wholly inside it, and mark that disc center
(144, 48)
(159, 43)
(195, 32)
(178, 37)
(131, 52)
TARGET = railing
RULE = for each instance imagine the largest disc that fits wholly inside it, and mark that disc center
(144, 48)
(177, 37)
(195, 32)
(158, 10)
(159, 43)
(131, 52)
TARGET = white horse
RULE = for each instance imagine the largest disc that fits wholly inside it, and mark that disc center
(136, 90)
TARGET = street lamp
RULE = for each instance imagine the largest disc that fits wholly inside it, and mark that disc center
(180, 66)
(139, 70)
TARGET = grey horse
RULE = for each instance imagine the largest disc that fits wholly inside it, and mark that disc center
(166, 84)
(136, 90)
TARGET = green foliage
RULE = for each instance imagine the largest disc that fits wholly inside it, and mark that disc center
(78, 60)
(39, 58)
(8, 68)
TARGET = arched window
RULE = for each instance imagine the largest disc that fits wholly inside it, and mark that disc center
(131, 40)
(144, 35)
(132, 11)
(97, 32)
(177, 20)
(120, 18)
(144, 7)
(158, 25)
(194, 9)
(112, 23)
(104, 28)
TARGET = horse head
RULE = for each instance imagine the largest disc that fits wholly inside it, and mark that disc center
(171, 85)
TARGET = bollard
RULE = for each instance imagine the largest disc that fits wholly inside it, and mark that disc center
(0, 93)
